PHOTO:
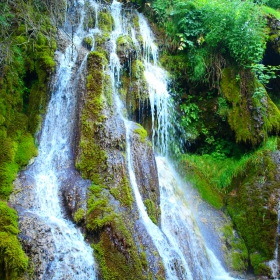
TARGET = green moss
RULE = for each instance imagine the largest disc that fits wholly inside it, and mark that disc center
(134, 91)
(137, 69)
(252, 115)
(237, 253)
(88, 42)
(270, 11)
(136, 24)
(260, 268)
(123, 193)
(79, 215)
(105, 21)
(99, 213)
(113, 263)
(116, 253)
(92, 161)
(253, 205)
(26, 149)
(144, 260)
(124, 44)
(239, 117)
(230, 86)
(208, 175)
(176, 64)
(151, 210)
(23, 98)
(13, 261)
(90, 20)
(141, 131)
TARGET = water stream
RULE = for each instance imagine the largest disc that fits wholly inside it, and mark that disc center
(73, 258)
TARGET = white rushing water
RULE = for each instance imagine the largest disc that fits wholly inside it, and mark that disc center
(73, 258)
(178, 241)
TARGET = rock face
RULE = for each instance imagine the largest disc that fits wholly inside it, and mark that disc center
(146, 172)
(37, 241)
(122, 245)
(251, 114)
(253, 206)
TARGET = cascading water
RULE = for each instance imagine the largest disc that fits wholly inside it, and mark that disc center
(178, 240)
(73, 258)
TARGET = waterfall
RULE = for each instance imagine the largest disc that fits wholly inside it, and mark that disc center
(178, 240)
(72, 258)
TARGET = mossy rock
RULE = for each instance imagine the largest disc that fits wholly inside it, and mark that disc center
(123, 192)
(105, 21)
(236, 253)
(252, 204)
(141, 131)
(137, 69)
(13, 261)
(125, 48)
(151, 210)
(134, 90)
(115, 250)
(88, 42)
(79, 215)
(92, 159)
(90, 16)
(251, 115)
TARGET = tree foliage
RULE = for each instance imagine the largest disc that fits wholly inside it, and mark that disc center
(204, 29)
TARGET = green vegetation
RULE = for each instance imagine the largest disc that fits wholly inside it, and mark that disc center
(79, 215)
(116, 252)
(92, 161)
(237, 255)
(151, 210)
(88, 43)
(13, 261)
(212, 174)
(123, 192)
(233, 28)
(270, 11)
(248, 187)
(124, 45)
(105, 21)
(141, 131)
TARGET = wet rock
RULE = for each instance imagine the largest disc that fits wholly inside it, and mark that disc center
(62, 40)
(253, 206)
(121, 232)
(37, 241)
(23, 195)
(125, 48)
(145, 170)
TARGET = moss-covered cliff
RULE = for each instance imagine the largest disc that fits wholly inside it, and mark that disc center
(111, 216)
(27, 48)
